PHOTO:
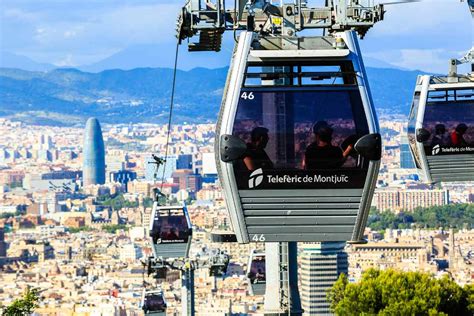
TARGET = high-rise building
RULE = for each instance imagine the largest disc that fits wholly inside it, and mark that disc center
(391, 199)
(93, 154)
(185, 162)
(187, 180)
(123, 176)
(406, 160)
(321, 265)
(209, 164)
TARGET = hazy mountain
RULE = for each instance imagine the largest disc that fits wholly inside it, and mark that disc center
(68, 96)
(160, 56)
(377, 63)
(11, 60)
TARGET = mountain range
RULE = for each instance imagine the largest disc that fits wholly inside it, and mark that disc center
(69, 96)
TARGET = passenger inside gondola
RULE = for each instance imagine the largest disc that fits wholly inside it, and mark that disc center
(257, 270)
(457, 136)
(439, 137)
(322, 154)
(169, 229)
(154, 303)
(256, 156)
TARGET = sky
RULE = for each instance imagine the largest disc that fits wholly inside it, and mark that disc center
(420, 35)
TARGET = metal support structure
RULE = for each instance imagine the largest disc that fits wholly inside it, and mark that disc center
(211, 21)
(187, 290)
(282, 295)
(216, 260)
(294, 294)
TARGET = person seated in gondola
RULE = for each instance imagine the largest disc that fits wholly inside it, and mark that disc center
(172, 234)
(457, 136)
(259, 276)
(155, 231)
(321, 154)
(154, 303)
(256, 157)
(439, 137)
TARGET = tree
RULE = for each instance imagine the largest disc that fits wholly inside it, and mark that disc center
(112, 229)
(23, 306)
(451, 215)
(393, 292)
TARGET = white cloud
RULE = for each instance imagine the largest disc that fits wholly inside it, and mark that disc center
(413, 35)
(67, 61)
(428, 60)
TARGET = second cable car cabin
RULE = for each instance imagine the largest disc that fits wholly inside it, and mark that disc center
(256, 272)
(170, 231)
(298, 140)
(153, 303)
(441, 128)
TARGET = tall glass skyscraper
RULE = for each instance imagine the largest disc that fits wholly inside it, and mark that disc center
(93, 154)
(321, 265)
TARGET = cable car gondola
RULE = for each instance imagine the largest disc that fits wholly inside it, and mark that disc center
(298, 147)
(256, 272)
(170, 231)
(153, 303)
(441, 128)
(218, 264)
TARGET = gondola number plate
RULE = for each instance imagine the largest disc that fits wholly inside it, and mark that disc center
(248, 96)
(258, 238)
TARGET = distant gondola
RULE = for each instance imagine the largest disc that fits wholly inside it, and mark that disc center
(170, 231)
(441, 128)
(256, 272)
(298, 139)
(153, 303)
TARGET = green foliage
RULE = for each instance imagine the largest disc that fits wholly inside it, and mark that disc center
(74, 230)
(393, 292)
(147, 202)
(6, 215)
(23, 306)
(113, 228)
(14, 185)
(117, 202)
(452, 215)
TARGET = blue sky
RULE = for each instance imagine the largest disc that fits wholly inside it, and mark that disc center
(73, 33)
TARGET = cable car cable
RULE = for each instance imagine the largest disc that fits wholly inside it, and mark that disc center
(170, 115)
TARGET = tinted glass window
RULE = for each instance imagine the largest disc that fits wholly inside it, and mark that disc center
(257, 270)
(451, 127)
(154, 302)
(170, 229)
(299, 133)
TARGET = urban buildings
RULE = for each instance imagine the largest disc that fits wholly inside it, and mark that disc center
(392, 199)
(94, 154)
(82, 247)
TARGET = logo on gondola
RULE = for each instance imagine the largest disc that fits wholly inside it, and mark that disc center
(436, 149)
(256, 178)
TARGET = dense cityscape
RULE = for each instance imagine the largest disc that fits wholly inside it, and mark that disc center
(74, 224)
